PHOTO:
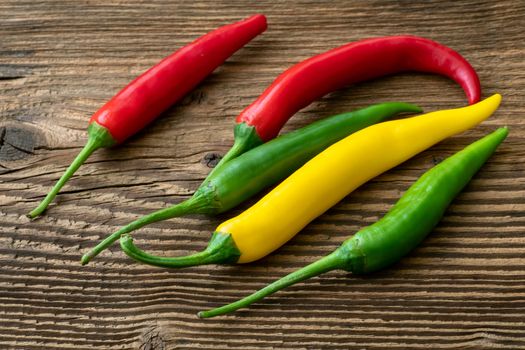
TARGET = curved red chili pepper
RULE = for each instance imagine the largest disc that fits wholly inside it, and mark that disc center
(313, 78)
(150, 94)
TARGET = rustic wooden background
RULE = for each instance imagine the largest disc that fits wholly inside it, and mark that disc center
(61, 60)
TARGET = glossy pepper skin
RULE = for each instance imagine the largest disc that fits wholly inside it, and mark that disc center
(151, 93)
(409, 221)
(146, 97)
(363, 60)
(321, 183)
(263, 166)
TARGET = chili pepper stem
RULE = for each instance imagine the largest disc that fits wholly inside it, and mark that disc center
(98, 137)
(220, 250)
(246, 138)
(191, 205)
(328, 263)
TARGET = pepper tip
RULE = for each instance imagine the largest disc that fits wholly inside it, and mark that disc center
(125, 238)
(85, 259)
(33, 214)
(504, 130)
(496, 97)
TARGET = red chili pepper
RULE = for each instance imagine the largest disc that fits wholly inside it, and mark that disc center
(366, 59)
(154, 91)
(162, 85)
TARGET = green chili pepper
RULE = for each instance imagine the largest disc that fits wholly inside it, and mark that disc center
(400, 230)
(263, 166)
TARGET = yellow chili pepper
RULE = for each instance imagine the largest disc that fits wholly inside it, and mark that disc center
(321, 183)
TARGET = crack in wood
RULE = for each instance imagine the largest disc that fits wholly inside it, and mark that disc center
(11, 78)
(14, 71)
(2, 136)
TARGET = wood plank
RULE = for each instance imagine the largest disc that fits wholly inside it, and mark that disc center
(463, 288)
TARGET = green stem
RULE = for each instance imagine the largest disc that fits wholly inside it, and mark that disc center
(221, 249)
(246, 138)
(88, 149)
(330, 262)
(188, 206)
(98, 137)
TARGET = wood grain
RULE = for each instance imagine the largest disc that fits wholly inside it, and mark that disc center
(463, 288)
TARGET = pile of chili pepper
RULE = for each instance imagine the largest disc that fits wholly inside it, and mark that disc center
(400, 230)
(263, 166)
(336, 172)
(294, 89)
(318, 165)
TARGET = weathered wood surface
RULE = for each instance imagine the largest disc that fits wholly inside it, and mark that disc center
(60, 60)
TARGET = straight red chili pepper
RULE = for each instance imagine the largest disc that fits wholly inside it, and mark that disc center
(141, 101)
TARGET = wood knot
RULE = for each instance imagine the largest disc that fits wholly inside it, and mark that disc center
(211, 159)
(16, 143)
(152, 339)
(436, 160)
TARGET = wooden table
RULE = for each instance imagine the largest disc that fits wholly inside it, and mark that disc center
(463, 288)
